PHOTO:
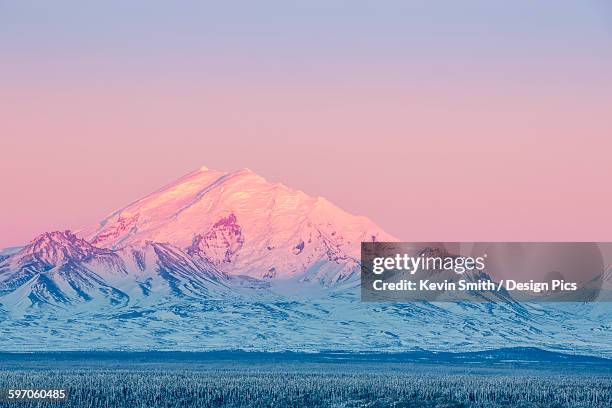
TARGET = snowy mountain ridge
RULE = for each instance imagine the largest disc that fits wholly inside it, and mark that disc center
(230, 261)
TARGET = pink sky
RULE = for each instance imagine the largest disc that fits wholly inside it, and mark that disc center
(505, 138)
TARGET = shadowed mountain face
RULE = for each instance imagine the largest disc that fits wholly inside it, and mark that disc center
(60, 270)
(55, 254)
(231, 261)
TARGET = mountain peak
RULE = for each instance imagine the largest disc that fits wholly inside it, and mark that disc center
(241, 223)
(245, 170)
(205, 169)
(53, 238)
(56, 247)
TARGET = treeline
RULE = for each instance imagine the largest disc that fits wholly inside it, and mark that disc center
(222, 388)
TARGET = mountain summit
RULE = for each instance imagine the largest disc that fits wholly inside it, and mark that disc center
(244, 225)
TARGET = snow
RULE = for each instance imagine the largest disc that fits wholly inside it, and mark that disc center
(230, 261)
(270, 220)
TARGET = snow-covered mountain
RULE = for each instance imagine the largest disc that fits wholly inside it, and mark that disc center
(244, 225)
(58, 270)
(228, 260)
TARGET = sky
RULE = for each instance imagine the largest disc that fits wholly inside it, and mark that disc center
(440, 121)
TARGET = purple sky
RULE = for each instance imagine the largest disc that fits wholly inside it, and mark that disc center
(440, 121)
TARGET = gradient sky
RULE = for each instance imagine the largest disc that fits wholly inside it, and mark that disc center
(445, 120)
